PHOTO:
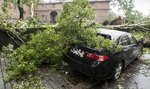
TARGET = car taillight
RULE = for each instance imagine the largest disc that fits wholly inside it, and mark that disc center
(98, 58)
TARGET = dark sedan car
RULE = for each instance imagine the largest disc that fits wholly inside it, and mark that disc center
(101, 64)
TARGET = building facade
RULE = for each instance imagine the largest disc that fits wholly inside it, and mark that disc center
(50, 10)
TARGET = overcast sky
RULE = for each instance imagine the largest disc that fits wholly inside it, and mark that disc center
(143, 6)
(140, 5)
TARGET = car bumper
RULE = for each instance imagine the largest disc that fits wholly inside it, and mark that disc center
(98, 71)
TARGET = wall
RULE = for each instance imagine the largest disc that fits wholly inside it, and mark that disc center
(44, 10)
(101, 8)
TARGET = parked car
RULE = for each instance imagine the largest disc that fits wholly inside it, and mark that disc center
(101, 64)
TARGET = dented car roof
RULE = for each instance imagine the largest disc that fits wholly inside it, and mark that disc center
(115, 34)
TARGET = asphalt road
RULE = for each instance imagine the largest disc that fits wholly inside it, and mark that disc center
(135, 76)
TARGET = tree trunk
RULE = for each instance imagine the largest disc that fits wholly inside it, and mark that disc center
(32, 9)
(20, 8)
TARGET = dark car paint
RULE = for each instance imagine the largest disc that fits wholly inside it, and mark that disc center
(102, 70)
(131, 51)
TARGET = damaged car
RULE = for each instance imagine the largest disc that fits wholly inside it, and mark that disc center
(103, 64)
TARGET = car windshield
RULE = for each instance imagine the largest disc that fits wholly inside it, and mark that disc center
(105, 36)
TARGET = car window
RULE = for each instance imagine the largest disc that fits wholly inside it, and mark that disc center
(124, 40)
(132, 39)
(105, 36)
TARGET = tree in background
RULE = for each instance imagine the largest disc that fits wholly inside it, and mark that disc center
(32, 4)
(130, 15)
(19, 3)
(74, 25)
(73, 20)
(8, 5)
(111, 15)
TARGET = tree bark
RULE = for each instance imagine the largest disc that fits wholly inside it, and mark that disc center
(20, 8)
(32, 9)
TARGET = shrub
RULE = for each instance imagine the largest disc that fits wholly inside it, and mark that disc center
(45, 49)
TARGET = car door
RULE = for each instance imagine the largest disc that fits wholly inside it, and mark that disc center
(136, 49)
(127, 48)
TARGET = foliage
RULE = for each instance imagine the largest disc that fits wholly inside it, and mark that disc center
(15, 29)
(120, 87)
(137, 17)
(73, 23)
(131, 16)
(121, 79)
(45, 49)
(32, 4)
(33, 22)
(142, 34)
(12, 27)
(111, 16)
(18, 24)
(145, 61)
(147, 20)
(16, 69)
(126, 6)
(6, 5)
(146, 50)
(33, 83)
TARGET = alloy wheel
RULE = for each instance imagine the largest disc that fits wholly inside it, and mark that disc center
(118, 71)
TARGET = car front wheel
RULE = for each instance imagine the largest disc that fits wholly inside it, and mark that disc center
(118, 71)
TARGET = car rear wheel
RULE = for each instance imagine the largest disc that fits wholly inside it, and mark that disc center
(118, 71)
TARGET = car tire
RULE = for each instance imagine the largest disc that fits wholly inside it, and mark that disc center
(117, 71)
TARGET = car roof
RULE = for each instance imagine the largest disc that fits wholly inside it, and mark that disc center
(115, 34)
